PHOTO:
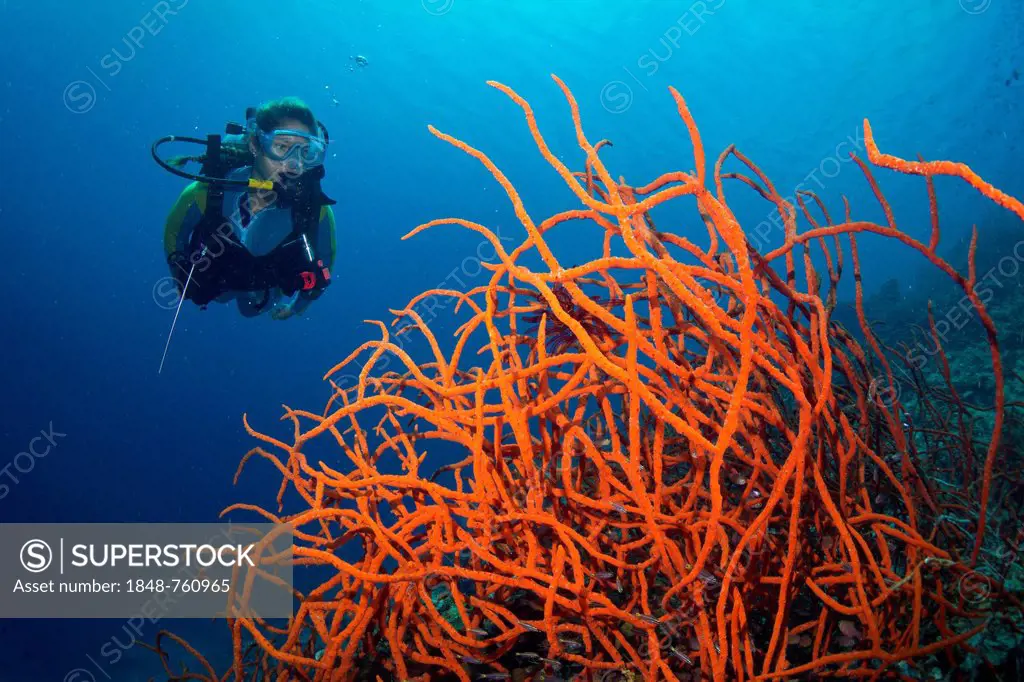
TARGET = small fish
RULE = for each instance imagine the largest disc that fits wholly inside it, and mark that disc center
(571, 645)
(650, 620)
(555, 665)
(737, 478)
(527, 626)
(471, 660)
(494, 676)
(707, 578)
(681, 656)
(528, 656)
(604, 575)
(477, 631)
(848, 628)
(618, 507)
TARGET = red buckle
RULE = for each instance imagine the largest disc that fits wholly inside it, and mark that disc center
(308, 280)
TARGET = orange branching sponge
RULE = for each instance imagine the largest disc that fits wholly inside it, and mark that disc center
(670, 463)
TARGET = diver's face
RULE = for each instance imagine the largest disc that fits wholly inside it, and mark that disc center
(281, 171)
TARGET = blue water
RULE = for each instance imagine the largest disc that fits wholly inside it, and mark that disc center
(82, 204)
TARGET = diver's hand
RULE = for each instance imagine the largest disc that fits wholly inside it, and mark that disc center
(284, 307)
(282, 312)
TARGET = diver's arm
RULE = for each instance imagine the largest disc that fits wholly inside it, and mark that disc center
(326, 246)
(181, 221)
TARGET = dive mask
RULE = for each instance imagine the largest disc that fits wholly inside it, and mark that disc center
(295, 146)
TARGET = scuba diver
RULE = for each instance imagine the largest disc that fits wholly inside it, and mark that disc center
(254, 226)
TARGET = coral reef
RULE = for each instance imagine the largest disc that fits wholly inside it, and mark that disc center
(673, 463)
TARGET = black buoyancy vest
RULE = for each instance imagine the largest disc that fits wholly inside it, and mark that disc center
(219, 263)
